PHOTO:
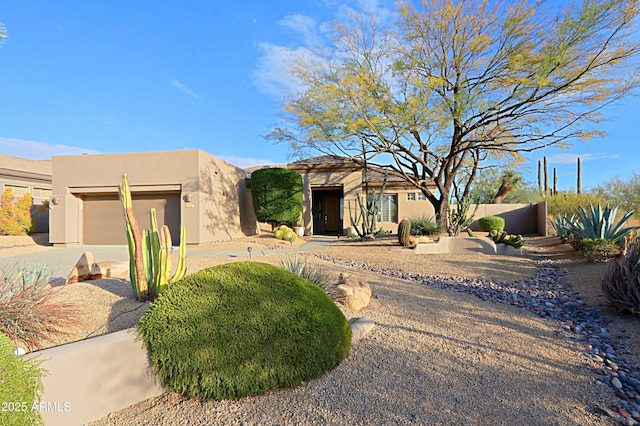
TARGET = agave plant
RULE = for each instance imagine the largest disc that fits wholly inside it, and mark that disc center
(621, 283)
(599, 223)
(561, 226)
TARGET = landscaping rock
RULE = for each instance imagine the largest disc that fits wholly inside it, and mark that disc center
(109, 270)
(359, 328)
(87, 269)
(82, 270)
(352, 293)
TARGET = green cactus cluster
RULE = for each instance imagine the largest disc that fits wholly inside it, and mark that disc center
(404, 232)
(150, 251)
(499, 236)
(283, 232)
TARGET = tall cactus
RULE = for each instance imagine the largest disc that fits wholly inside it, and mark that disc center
(150, 252)
(546, 177)
(579, 183)
(134, 239)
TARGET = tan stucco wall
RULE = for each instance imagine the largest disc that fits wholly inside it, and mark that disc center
(89, 379)
(519, 218)
(213, 212)
(224, 209)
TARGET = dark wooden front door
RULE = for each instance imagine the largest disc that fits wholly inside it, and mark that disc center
(326, 212)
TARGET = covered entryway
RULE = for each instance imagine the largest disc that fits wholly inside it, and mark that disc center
(103, 219)
(327, 211)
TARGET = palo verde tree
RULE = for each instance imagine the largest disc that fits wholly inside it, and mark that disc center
(453, 85)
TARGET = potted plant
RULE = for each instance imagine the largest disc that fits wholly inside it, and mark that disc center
(299, 228)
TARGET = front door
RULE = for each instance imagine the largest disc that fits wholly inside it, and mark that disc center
(326, 212)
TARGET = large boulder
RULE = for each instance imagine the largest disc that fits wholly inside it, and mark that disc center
(87, 269)
(352, 293)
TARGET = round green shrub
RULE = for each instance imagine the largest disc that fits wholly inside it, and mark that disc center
(491, 223)
(21, 383)
(241, 329)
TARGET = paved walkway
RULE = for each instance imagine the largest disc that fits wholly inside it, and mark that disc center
(63, 259)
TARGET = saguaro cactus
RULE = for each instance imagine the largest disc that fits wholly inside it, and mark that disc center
(150, 251)
(579, 183)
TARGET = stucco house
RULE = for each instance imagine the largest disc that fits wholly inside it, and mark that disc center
(23, 176)
(207, 195)
(330, 184)
(189, 187)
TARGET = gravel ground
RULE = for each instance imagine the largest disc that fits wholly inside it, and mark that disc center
(435, 356)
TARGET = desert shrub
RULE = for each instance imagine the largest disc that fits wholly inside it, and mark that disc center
(276, 195)
(621, 282)
(241, 329)
(20, 385)
(29, 312)
(15, 217)
(599, 250)
(491, 223)
(424, 225)
(568, 203)
(300, 266)
(621, 192)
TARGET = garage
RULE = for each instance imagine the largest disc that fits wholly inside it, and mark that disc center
(103, 219)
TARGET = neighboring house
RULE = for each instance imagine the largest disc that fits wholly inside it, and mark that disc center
(187, 188)
(28, 176)
(330, 185)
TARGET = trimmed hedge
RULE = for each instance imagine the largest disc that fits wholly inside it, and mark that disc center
(241, 329)
(20, 386)
(276, 195)
(491, 223)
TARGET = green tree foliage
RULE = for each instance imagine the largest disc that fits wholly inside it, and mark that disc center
(453, 85)
(277, 195)
(621, 192)
(489, 181)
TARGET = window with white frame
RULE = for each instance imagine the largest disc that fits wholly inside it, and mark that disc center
(411, 196)
(421, 196)
(17, 189)
(388, 208)
(41, 192)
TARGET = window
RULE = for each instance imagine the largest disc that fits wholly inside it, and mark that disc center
(411, 196)
(18, 191)
(388, 208)
(42, 192)
(421, 196)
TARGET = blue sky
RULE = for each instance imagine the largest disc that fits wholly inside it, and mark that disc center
(131, 76)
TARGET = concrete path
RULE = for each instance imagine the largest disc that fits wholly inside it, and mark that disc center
(62, 259)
